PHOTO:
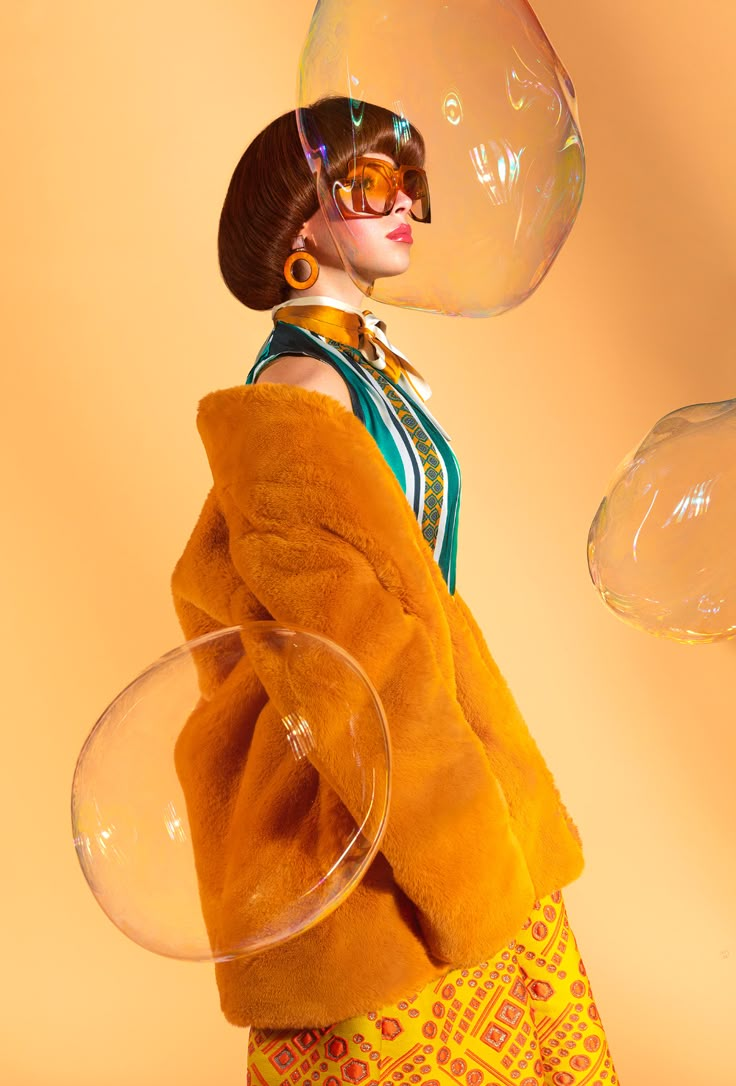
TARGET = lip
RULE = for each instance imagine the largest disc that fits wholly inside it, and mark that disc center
(402, 233)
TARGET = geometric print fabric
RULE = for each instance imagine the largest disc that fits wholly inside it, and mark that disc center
(434, 483)
(526, 1017)
(417, 450)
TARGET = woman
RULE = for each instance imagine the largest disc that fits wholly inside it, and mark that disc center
(454, 956)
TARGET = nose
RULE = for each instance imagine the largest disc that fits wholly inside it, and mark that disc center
(403, 202)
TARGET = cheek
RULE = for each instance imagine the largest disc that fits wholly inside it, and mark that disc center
(366, 249)
(353, 237)
(364, 235)
(367, 231)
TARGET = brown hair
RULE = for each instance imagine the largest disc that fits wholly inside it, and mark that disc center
(272, 191)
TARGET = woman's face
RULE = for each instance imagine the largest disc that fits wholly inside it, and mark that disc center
(371, 247)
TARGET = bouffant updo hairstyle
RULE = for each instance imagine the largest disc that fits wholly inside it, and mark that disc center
(273, 192)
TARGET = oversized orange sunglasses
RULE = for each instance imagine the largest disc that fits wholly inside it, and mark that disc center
(371, 188)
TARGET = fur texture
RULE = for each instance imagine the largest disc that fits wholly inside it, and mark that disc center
(306, 524)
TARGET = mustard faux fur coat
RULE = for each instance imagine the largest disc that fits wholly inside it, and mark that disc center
(306, 524)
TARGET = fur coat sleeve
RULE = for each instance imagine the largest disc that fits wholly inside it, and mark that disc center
(306, 524)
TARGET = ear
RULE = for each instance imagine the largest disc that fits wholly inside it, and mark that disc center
(312, 227)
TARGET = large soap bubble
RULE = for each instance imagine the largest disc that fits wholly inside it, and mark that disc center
(233, 795)
(497, 112)
(659, 548)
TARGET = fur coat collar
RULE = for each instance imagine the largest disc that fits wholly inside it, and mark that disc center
(306, 524)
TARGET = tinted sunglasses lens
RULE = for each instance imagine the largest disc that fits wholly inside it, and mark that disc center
(415, 186)
(347, 195)
(371, 190)
(376, 189)
(365, 192)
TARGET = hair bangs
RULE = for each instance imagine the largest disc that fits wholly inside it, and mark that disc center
(342, 129)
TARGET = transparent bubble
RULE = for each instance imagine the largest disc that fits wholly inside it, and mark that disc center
(234, 794)
(659, 545)
(497, 112)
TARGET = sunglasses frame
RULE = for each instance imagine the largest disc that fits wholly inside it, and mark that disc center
(395, 175)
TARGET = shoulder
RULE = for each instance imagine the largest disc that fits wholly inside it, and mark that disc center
(308, 373)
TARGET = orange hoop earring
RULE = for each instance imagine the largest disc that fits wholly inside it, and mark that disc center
(298, 277)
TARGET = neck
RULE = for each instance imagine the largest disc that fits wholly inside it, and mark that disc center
(332, 283)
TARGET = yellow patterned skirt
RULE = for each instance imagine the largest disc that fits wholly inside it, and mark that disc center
(526, 1018)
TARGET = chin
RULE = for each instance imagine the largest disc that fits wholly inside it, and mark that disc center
(386, 270)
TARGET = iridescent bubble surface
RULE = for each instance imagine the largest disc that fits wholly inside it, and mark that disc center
(659, 548)
(149, 805)
(497, 111)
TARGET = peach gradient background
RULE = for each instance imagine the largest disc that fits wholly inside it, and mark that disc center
(120, 126)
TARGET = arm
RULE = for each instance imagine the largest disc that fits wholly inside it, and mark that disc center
(322, 537)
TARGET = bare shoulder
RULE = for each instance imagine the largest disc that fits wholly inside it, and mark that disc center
(309, 373)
